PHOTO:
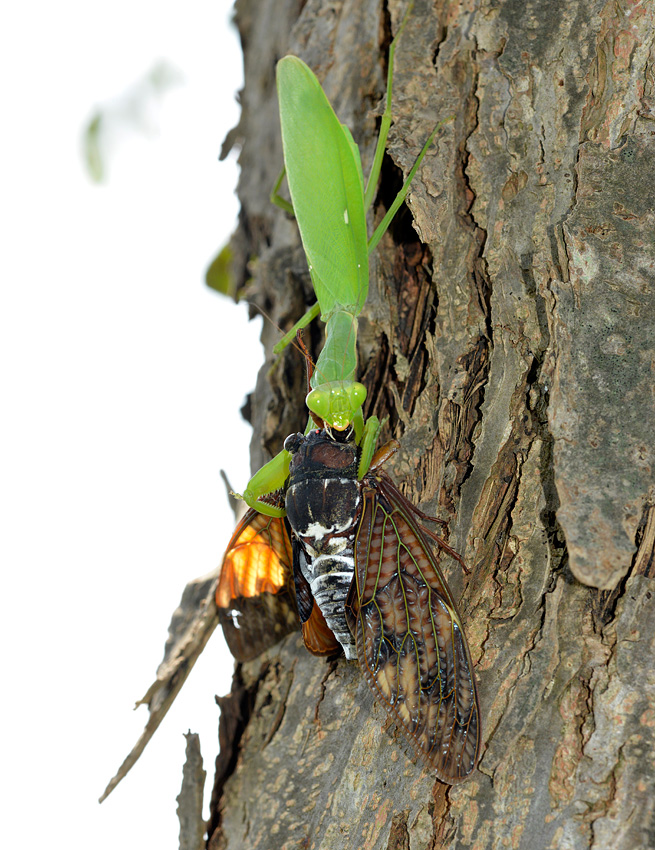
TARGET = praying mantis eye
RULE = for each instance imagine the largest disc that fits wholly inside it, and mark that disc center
(357, 394)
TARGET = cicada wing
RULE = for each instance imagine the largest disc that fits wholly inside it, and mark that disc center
(410, 642)
(255, 594)
(317, 635)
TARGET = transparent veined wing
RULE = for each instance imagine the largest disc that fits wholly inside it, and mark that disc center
(410, 641)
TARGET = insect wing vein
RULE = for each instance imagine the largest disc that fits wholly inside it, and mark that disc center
(410, 642)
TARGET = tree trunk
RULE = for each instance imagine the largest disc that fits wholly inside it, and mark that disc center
(509, 336)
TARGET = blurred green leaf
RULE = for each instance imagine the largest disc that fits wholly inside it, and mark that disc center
(135, 111)
(92, 155)
(219, 274)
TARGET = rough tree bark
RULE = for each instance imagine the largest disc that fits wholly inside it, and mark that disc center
(510, 339)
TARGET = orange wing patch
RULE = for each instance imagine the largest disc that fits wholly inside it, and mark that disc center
(257, 560)
(255, 595)
(317, 635)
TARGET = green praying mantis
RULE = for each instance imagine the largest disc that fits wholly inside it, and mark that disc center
(330, 200)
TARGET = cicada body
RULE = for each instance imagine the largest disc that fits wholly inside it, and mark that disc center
(323, 503)
(367, 580)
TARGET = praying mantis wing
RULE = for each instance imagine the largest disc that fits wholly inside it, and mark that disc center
(326, 184)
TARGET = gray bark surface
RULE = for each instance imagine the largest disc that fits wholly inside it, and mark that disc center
(509, 336)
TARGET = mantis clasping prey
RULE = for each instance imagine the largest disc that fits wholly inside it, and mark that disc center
(329, 199)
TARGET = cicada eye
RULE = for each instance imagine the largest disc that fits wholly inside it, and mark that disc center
(292, 443)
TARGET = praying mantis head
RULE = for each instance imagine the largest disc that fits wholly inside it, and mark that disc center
(339, 403)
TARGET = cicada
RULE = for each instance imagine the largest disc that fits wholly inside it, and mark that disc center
(363, 575)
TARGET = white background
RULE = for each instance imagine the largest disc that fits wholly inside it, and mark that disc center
(121, 378)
